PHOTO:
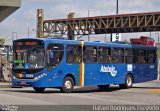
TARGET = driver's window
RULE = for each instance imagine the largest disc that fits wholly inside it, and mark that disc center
(54, 55)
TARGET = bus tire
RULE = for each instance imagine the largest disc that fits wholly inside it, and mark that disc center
(68, 85)
(128, 82)
(103, 87)
(39, 90)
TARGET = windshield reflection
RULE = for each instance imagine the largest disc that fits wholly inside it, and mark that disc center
(31, 58)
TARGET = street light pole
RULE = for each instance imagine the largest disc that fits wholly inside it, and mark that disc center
(88, 28)
(117, 7)
(28, 31)
(14, 33)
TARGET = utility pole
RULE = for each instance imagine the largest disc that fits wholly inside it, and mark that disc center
(28, 31)
(117, 9)
(88, 28)
(14, 36)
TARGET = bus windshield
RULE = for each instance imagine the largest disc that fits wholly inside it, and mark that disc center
(29, 58)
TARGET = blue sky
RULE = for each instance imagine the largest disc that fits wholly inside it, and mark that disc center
(58, 9)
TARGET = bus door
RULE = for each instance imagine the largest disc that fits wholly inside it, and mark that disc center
(90, 64)
(74, 62)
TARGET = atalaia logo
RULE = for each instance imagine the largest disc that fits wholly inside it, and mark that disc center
(109, 69)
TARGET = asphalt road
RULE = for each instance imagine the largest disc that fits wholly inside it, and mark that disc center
(141, 94)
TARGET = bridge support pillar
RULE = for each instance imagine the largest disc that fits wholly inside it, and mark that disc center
(40, 20)
(70, 29)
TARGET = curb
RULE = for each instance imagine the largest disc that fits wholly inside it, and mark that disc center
(5, 86)
(9, 86)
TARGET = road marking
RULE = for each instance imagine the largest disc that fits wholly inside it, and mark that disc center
(146, 91)
(155, 90)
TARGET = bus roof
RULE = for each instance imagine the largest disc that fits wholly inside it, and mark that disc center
(97, 43)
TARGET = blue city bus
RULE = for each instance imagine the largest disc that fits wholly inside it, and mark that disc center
(63, 64)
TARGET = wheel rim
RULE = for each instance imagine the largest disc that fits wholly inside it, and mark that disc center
(129, 81)
(68, 84)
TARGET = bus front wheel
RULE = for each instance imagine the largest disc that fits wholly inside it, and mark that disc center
(68, 84)
(128, 82)
(39, 90)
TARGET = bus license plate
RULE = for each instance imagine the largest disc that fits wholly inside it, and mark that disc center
(23, 83)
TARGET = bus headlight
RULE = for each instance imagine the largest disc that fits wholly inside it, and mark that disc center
(14, 77)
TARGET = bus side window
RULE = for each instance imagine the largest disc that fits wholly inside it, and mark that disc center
(104, 55)
(109, 59)
(78, 54)
(55, 54)
(141, 56)
(151, 56)
(70, 52)
(74, 54)
(117, 55)
(129, 56)
(90, 54)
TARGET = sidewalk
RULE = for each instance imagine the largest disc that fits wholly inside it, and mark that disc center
(153, 84)
(5, 84)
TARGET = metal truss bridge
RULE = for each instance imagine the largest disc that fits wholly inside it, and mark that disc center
(123, 23)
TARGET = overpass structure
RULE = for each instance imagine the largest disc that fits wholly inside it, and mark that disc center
(123, 23)
(7, 7)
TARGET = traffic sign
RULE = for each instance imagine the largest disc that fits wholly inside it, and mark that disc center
(116, 37)
(2, 41)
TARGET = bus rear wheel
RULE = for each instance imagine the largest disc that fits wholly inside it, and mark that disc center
(128, 82)
(68, 85)
(39, 90)
(103, 87)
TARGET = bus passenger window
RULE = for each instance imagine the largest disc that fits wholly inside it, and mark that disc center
(117, 55)
(129, 56)
(90, 54)
(104, 55)
(74, 54)
(151, 56)
(141, 58)
(54, 55)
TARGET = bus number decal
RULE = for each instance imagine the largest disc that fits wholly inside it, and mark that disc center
(112, 70)
(29, 76)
